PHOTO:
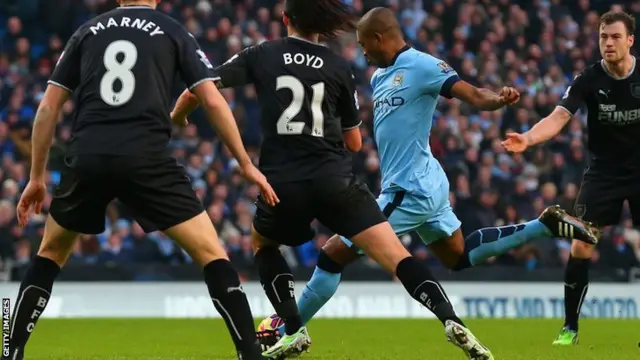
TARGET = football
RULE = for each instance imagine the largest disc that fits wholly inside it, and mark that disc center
(270, 323)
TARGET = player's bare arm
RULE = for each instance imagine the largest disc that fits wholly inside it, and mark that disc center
(185, 105)
(484, 99)
(187, 102)
(544, 130)
(233, 71)
(218, 111)
(44, 126)
(222, 119)
(551, 125)
(353, 139)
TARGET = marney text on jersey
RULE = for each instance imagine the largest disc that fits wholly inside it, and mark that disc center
(313, 61)
(141, 24)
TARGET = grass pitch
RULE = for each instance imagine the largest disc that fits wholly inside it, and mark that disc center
(160, 339)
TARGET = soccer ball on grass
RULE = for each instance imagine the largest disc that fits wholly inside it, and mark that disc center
(270, 323)
(267, 332)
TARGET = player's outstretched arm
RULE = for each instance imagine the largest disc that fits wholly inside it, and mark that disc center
(484, 99)
(233, 73)
(222, 119)
(544, 130)
(185, 105)
(44, 127)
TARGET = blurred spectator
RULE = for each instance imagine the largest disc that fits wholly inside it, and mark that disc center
(144, 249)
(617, 252)
(114, 251)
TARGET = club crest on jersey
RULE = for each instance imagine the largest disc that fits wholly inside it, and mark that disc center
(445, 67)
(398, 78)
(635, 90)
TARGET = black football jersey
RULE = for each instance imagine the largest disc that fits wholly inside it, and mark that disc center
(307, 99)
(122, 66)
(613, 117)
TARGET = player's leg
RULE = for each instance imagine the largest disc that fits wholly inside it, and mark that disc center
(198, 237)
(333, 257)
(598, 202)
(458, 253)
(404, 213)
(340, 251)
(420, 283)
(352, 212)
(161, 198)
(37, 283)
(324, 282)
(78, 206)
(416, 213)
(287, 223)
(350, 209)
(443, 235)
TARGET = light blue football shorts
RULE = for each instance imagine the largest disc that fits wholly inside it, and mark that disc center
(431, 217)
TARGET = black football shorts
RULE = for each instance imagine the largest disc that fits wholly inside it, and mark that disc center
(601, 199)
(157, 191)
(343, 204)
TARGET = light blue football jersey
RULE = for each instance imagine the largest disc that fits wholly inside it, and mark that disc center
(405, 96)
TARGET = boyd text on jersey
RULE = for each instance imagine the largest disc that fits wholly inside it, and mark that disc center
(306, 95)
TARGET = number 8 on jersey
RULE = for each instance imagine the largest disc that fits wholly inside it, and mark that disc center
(119, 70)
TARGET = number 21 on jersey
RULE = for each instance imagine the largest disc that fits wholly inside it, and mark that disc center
(286, 124)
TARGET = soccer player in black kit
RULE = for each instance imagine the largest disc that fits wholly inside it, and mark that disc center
(121, 65)
(610, 89)
(310, 122)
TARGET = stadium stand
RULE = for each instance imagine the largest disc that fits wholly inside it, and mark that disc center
(536, 46)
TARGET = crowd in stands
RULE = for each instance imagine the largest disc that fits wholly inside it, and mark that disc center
(537, 46)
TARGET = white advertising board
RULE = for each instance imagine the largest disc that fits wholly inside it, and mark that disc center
(353, 300)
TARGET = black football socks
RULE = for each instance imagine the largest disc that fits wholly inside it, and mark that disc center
(278, 283)
(35, 291)
(231, 302)
(422, 286)
(576, 284)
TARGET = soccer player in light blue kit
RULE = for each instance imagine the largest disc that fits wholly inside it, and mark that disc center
(415, 189)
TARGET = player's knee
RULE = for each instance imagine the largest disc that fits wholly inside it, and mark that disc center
(205, 256)
(451, 251)
(456, 261)
(198, 237)
(335, 255)
(270, 262)
(581, 250)
(57, 255)
(57, 249)
(203, 250)
(326, 263)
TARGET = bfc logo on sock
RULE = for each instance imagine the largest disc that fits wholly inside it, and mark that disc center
(426, 301)
(6, 310)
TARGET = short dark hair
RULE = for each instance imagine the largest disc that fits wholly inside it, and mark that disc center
(324, 17)
(615, 16)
